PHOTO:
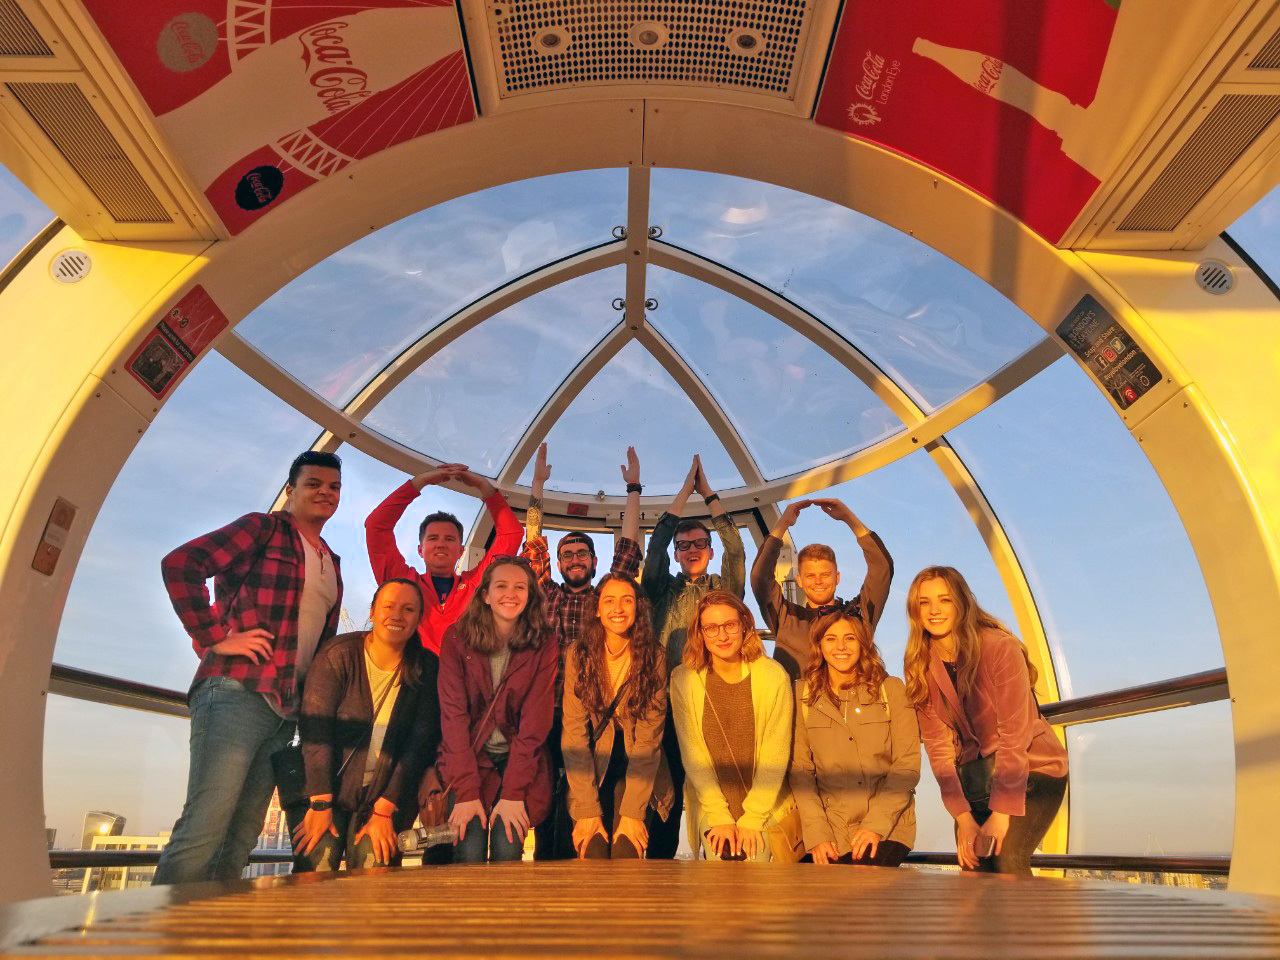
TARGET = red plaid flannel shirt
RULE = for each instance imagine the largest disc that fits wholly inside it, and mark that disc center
(251, 593)
(568, 611)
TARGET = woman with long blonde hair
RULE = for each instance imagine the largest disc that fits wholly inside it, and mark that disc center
(1001, 770)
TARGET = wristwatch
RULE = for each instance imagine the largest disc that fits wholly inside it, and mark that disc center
(321, 804)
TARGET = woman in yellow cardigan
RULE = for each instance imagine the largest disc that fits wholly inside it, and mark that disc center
(732, 708)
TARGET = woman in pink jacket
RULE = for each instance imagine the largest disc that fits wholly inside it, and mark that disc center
(1001, 769)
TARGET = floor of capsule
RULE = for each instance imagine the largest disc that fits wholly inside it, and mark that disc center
(649, 909)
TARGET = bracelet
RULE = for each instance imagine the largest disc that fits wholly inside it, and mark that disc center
(377, 814)
(635, 488)
(709, 497)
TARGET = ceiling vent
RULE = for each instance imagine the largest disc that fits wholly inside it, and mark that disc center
(1268, 57)
(18, 35)
(1215, 277)
(70, 266)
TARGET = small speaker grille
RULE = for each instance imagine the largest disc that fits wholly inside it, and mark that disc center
(70, 122)
(70, 266)
(1215, 277)
(18, 35)
(1231, 127)
(598, 43)
(1268, 58)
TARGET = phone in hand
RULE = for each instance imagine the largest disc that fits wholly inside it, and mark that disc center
(984, 845)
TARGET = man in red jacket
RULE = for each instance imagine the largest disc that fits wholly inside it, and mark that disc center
(440, 544)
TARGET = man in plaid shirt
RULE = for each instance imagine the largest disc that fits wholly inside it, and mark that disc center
(279, 590)
(569, 608)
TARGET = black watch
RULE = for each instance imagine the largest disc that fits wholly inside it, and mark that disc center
(321, 804)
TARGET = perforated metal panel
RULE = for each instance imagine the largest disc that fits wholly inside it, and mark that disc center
(1268, 58)
(1231, 127)
(18, 35)
(738, 44)
(67, 118)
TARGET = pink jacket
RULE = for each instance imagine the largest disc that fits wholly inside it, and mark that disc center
(999, 716)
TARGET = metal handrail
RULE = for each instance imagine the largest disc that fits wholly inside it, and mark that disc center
(72, 859)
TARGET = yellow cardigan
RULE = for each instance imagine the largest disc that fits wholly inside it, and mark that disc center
(769, 798)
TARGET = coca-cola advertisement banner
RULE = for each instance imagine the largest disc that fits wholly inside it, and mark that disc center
(262, 99)
(992, 93)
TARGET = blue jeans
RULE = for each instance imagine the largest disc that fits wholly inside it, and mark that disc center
(234, 732)
(330, 852)
(478, 844)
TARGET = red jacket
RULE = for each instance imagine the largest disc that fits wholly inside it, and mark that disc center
(998, 716)
(387, 561)
(523, 714)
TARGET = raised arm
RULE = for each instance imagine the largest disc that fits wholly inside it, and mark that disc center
(533, 516)
(894, 795)
(380, 526)
(875, 585)
(764, 577)
(657, 564)
(507, 532)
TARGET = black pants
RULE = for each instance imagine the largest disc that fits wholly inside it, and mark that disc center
(611, 791)
(664, 835)
(553, 838)
(889, 853)
(1044, 797)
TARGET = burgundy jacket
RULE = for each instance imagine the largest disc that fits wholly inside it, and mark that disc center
(523, 714)
(998, 716)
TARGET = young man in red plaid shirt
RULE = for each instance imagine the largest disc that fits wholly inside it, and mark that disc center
(279, 590)
(569, 607)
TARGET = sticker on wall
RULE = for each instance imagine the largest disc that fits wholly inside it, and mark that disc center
(1109, 352)
(993, 93)
(263, 99)
(176, 341)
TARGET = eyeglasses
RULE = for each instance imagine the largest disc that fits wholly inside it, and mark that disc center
(701, 543)
(567, 555)
(730, 629)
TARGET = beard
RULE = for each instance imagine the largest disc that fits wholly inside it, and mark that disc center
(581, 579)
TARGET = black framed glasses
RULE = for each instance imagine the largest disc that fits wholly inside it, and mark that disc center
(698, 543)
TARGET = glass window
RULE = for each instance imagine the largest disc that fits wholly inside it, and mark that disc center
(1114, 576)
(633, 401)
(794, 405)
(22, 216)
(472, 401)
(1258, 232)
(342, 321)
(1156, 784)
(929, 323)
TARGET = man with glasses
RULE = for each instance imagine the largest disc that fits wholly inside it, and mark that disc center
(279, 590)
(818, 577)
(674, 598)
(569, 607)
(440, 544)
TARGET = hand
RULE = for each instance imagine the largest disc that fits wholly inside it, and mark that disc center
(723, 839)
(478, 483)
(381, 833)
(631, 472)
(996, 827)
(966, 834)
(750, 843)
(825, 852)
(441, 474)
(462, 815)
(256, 644)
(836, 510)
(515, 819)
(584, 830)
(312, 830)
(700, 479)
(790, 514)
(865, 843)
(635, 831)
(691, 480)
(541, 471)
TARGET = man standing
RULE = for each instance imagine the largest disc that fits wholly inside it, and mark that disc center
(279, 590)
(569, 607)
(818, 577)
(440, 544)
(674, 599)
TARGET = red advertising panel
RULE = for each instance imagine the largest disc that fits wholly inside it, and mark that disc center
(176, 341)
(992, 93)
(262, 99)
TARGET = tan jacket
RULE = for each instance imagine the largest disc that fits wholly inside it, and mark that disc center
(648, 779)
(856, 771)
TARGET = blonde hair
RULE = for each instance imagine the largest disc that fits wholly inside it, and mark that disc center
(971, 619)
(696, 656)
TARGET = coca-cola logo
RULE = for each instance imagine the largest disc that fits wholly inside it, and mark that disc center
(259, 187)
(863, 114)
(990, 76)
(331, 69)
(187, 42)
(872, 67)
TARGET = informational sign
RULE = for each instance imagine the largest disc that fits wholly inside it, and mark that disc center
(54, 538)
(1109, 352)
(261, 100)
(992, 93)
(176, 341)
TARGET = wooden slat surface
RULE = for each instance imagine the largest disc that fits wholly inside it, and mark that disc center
(661, 909)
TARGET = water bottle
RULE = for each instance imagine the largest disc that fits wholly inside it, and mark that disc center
(419, 839)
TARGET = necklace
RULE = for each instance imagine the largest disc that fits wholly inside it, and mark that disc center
(317, 546)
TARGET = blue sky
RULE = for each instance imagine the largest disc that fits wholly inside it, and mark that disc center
(1051, 458)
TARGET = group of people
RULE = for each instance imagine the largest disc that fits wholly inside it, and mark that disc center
(597, 714)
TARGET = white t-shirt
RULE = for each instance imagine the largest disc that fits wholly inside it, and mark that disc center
(319, 594)
(379, 682)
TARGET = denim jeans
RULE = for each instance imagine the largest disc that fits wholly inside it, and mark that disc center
(478, 844)
(1044, 797)
(329, 853)
(234, 732)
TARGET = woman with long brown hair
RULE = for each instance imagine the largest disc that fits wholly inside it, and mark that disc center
(732, 708)
(497, 693)
(999, 766)
(856, 759)
(615, 709)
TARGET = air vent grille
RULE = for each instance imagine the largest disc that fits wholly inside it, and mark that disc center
(1268, 58)
(70, 122)
(546, 46)
(1230, 128)
(18, 35)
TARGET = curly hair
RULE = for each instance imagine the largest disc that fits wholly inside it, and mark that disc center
(868, 670)
(696, 656)
(648, 661)
(475, 626)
